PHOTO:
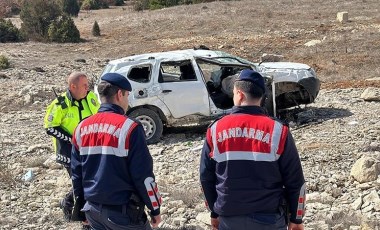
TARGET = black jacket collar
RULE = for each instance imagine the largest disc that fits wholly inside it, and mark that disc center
(249, 109)
(107, 107)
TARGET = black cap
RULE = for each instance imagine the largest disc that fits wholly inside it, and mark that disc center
(117, 80)
(252, 76)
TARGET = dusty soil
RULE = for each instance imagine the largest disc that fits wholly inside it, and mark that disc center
(347, 55)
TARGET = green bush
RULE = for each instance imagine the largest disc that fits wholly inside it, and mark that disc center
(119, 2)
(90, 5)
(107, 3)
(36, 16)
(8, 32)
(96, 4)
(4, 63)
(141, 5)
(71, 7)
(63, 30)
(96, 29)
(158, 4)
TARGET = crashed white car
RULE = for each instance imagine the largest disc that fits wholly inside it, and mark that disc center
(195, 85)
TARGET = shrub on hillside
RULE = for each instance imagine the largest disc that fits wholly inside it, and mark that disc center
(158, 4)
(36, 16)
(63, 30)
(203, 1)
(90, 5)
(9, 8)
(80, 3)
(113, 2)
(9, 32)
(71, 7)
(96, 29)
(119, 2)
(4, 62)
(96, 4)
(141, 5)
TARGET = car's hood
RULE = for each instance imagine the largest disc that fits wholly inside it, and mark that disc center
(286, 71)
(283, 65)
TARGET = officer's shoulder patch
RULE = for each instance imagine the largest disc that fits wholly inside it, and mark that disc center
(93, 101)
(50, 118)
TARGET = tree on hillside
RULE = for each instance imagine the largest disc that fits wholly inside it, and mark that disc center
(71, 7)
(96, 29)
(113, 2)
(90, 5)
(36, 16)
(9, 32)
(9, 8)
(63, 30)
(119, 2)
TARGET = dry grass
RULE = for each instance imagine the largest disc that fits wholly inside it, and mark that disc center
(247, 28)
(343, 220)
(35, 162)
(7, 178)
(347, 219)
(190, 195)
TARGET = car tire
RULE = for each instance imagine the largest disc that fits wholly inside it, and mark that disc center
(151, 123)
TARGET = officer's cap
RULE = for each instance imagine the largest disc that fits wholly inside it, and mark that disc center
(252, 76)
(117, 80)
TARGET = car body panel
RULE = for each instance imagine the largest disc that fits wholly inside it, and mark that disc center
(185, 85)
(295, 83)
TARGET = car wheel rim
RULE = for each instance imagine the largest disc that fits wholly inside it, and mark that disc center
(148, 125)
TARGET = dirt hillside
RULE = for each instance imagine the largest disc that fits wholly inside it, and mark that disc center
(332, 134)
(347, 51)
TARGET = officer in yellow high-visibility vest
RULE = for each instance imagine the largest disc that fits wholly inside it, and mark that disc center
(62, 116)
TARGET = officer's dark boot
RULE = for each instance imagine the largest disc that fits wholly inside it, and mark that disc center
(67, 205)
(86, 227)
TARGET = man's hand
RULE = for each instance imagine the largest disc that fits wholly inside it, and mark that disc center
(215, 223)
(155, 221)
(293, 226)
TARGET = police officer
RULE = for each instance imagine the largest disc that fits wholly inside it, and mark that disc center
(250, 164)
(111, 164)
(62, 116)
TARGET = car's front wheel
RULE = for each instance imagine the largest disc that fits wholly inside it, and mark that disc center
(151, 123)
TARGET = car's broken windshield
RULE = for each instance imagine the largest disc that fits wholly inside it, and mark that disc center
(229, 58)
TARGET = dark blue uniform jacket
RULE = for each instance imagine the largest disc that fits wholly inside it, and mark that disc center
(245, 187)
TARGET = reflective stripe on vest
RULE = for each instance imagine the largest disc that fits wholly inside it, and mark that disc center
(120, 151)
(248, 155)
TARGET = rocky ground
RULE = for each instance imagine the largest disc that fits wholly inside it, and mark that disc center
(331, 134)
(338, 136)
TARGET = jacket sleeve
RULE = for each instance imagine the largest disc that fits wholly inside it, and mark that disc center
(59, 133)
(294, 181)
(53, 120)
(76, 170)
(208, 176)
(140, 165)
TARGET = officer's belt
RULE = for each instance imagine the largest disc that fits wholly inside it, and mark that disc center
(116, 208)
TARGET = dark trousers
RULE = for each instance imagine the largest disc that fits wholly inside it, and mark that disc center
(68, 201)
(252, 222)
(102, 217)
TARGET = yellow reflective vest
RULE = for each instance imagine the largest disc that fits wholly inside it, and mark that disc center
(61, 120)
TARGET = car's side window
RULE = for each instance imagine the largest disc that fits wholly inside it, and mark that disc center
(177, 71)
(140, 74)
